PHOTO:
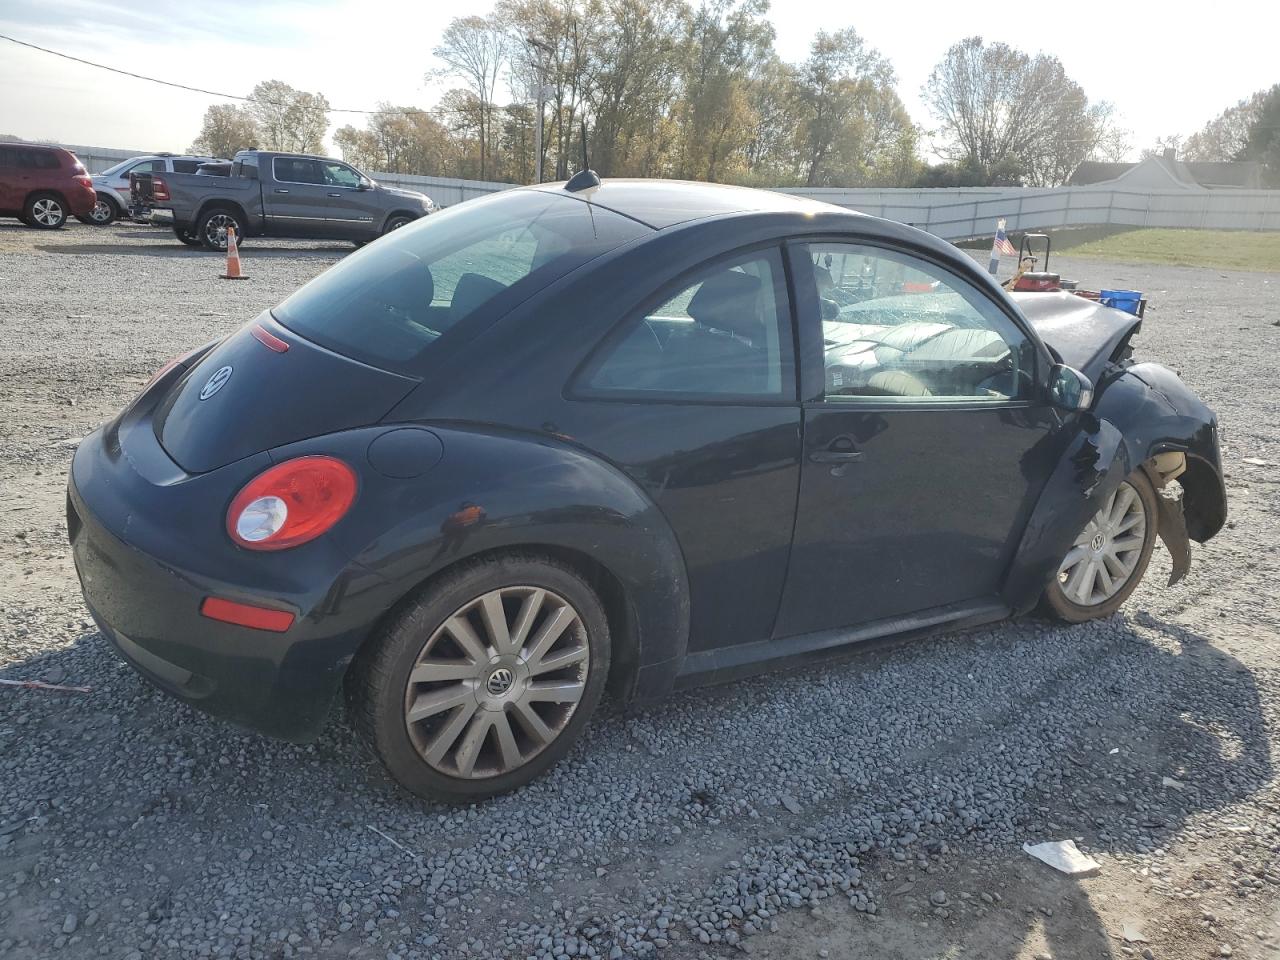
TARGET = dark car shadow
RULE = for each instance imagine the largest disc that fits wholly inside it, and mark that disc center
(1199, 721)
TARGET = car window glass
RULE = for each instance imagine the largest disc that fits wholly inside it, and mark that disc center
(390, 303)
(44, 160)
(340, 175)
(186, 166)
(296, 170)
(898, 328)
(8, 157)
(725, 333)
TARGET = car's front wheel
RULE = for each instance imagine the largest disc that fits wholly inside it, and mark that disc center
(396, 222)
(1109, 556)
(104, 212)
(483, 682)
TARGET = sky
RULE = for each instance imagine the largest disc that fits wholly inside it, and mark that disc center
(1165, 71)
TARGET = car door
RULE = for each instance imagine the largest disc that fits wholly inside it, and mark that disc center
(694, 397)
(295, 203)
(925, 439)
(353, 210)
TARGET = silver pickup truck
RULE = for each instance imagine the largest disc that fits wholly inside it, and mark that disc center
(270, 194)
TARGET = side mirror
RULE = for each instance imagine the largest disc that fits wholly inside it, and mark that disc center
(1069, 389)
(364, 184)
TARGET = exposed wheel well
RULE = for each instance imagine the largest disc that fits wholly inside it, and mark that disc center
(230, 205)
(399, 213)
(617, 606)
(61, 198)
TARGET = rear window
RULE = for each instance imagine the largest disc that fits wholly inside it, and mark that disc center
(424, 284)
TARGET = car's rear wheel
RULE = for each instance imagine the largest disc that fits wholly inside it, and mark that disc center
(1109, 556)
(104, 212)
(45, 211)
(213, 226)
(485, 681)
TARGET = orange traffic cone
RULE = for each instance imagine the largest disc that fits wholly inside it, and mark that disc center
(233, 257)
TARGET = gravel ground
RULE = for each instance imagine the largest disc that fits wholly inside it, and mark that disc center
(872, 807)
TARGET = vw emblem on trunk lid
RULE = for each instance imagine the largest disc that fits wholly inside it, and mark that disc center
(215, 382)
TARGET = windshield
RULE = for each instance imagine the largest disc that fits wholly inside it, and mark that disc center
(391, 302)
(111, 171)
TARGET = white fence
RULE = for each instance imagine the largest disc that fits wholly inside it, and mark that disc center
(962, 212)
(952, 213)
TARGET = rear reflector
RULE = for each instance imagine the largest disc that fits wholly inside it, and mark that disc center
(246, 615)
(267, 339)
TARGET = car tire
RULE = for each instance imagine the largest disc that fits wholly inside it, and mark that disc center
(396, 222)
(182, 234)
(211, 228)
(487, 720)
(45, 211)
(1117, 540)
(104, 213)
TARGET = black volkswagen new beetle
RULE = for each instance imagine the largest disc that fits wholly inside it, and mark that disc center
(638, 434)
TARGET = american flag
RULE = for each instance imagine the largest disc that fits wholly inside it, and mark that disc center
(1002, 242)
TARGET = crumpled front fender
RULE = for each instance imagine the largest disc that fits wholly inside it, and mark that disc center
(1141, 411)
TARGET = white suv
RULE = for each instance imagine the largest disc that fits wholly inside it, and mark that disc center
(112, 184)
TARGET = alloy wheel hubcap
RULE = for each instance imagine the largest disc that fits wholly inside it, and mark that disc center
(1105, 554)
(497, 682)
(216, 229)
(46, 211)
(101, 212)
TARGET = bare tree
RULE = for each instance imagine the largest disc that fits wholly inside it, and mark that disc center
(1000, 106)
(226, 129)
(475, 49)
(287, 118)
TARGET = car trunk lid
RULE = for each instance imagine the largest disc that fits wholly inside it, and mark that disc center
(265, 386)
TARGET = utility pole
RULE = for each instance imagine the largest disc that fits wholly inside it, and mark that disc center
(539, 65)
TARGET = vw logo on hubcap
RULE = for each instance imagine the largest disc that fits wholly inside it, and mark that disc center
(1097, 541)
(500, 681)
(215, 382)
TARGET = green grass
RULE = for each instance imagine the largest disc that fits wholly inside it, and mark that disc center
(1225, 249)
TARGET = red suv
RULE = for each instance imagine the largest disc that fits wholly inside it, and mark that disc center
(42, 186)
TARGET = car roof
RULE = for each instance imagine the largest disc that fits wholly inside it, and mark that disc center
(664, 203)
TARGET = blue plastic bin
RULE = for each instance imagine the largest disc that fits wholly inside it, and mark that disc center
(1126, 300)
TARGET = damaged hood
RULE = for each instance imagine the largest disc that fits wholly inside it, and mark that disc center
(1085, 334)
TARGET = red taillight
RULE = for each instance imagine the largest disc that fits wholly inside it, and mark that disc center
(83, 179)
(291, 503)
(159, 189)
(246, 614)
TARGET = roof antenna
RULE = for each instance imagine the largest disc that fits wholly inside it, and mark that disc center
(586, 178)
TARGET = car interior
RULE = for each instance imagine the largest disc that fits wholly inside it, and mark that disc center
(893, 329)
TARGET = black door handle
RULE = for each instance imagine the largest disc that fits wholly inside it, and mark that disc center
(335, 195)
(841, 449)
(835, 456)
(278, 190)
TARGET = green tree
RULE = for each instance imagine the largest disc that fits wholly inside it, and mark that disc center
(1226, 136)
(226, 129)
(1263, 141)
